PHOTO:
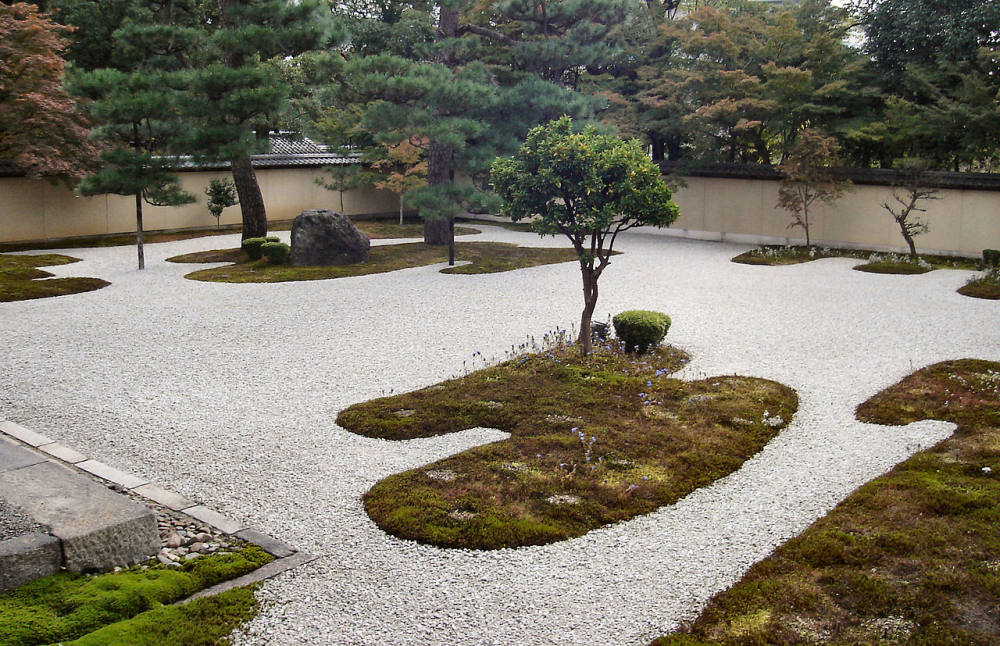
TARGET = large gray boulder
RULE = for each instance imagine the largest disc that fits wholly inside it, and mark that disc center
(323, 237)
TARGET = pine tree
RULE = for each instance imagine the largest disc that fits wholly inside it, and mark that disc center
(234, 96)
(135, 109)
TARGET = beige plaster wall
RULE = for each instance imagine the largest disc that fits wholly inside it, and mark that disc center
(962, 221)
(37, 210)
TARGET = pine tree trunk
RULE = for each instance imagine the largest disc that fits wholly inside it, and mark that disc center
(251, 200)
(138, 230)
(438, 231)
(589, 304)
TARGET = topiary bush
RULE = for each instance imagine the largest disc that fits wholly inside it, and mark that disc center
(991, 257)
(640, 330)
(252, 247)
(276, 252)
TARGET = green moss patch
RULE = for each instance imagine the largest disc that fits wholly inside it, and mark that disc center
(985, 285)
(594, 441)
(68, 606)
(486, 257)
(892, 268)
(877, 262)
(912, 557)
(19, 278)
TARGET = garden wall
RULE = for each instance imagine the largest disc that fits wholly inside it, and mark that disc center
(719, 203)
(38, 210)
(741, 208)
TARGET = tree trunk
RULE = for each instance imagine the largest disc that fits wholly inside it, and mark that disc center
(589, 304)
(909, 241)
(251, 201)
(138, 230)
(439, 231)
(400, 209)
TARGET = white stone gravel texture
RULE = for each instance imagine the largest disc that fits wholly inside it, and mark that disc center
(228, 395)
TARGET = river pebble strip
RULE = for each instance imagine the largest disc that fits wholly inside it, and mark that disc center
(228, 393)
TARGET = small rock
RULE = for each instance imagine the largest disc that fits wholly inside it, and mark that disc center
(204, 537)
(405, 412)
(174, 540)
(163, 559)
(563, 499)
(445, 475)
(461, 514)
(192, 556)
(197, 547)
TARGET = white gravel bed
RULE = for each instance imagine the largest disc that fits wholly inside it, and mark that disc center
(227, 394)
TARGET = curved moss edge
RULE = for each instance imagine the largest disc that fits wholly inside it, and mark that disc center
(125, 607)
(892, 268)
(593, 441)
(911, 557)
(19, 278)
(485, 257)
(987, 291)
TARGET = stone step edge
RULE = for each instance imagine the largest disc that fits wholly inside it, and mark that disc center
(276, 548)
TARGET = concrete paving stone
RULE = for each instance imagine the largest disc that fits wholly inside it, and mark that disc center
(14, 456)
(26, 558)
(269, 544)
(99, 528)
(63, 452)
(25, 435)
(166, 498)
(112, 474)
(215, 519)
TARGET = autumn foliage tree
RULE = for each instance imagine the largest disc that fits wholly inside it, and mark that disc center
(588, 187)
(401, 169)
(808, 177)
(41, 131)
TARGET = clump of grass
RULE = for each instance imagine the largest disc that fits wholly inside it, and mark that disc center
(594, 441)
(877, 263)
(68, 606)
(486, 257)
(19, 278)
(912, 557)
(985, 285)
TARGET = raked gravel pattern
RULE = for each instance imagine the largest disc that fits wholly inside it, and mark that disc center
(228, 394)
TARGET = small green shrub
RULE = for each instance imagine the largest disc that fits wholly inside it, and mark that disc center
(991, 257)
(640, 330)
(252, 247)
(276, 252)
(272, 239)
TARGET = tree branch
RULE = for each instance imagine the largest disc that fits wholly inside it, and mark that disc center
(485, 32)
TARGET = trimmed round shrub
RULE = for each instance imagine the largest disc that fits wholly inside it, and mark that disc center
(272, 239)
(252, 247)
(640, 330)
(276, 252)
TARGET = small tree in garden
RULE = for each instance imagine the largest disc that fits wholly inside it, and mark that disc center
(344, 177)
(808, 177)
(221, 193)
(403, 168)
(904, 210)
(586, 186)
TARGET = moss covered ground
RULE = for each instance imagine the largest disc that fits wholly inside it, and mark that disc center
(130, 606)
(485, 257)
(985, 285)
(19, 278)
(594, 441)
(912, 557)
(882, 263)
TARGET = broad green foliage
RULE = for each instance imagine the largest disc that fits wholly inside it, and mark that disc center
(640, 330)
(586, 186)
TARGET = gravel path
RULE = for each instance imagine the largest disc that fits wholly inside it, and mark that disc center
(15, 522)
(227, 393)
